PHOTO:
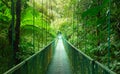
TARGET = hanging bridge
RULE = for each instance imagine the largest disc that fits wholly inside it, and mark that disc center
(59, 57)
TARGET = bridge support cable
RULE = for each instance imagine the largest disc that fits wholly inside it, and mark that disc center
(77, 27)
(73, 19)
(46, 22)
(109, 33)
(74, 16)
(42, 58)
(33, 25)
(42, 24)
(12, 29)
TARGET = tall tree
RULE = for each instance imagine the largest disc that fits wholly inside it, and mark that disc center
(17, 29)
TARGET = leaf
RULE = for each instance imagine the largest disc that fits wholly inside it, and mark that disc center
(105, 2)
(101, 20)
(91, 11)
(94, 10)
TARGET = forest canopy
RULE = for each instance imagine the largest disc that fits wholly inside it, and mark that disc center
(26, 26)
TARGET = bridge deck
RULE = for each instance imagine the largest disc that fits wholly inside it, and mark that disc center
(60, 62)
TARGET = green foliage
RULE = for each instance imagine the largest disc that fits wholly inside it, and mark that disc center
(37, 32)
(90, 30)
(5, 49)
(83, 22)
(26, 49)
(92, 11)
(33, 36)
(5, 15)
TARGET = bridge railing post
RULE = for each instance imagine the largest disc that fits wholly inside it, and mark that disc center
(87, 65)
(35, 64)
(92, 67)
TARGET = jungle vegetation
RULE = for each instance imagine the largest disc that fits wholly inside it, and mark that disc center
(92, 26)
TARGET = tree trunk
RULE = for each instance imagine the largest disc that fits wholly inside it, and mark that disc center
(11, 34)
(17, 30)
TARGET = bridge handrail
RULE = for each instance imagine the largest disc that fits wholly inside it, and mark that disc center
(18, 66)
(93, 68)
(79, 51)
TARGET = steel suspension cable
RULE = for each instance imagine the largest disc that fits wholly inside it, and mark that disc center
(85, 36)
(74, 15)
(49, 18)
(42, 28)
(47, 5)
(51, 9)
(77, 25)
(42, 23)
(12, 26)
(109, 25)
(33, 24)
(45, 20)
(73, 19)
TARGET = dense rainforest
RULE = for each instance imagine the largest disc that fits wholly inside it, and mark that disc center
(27, 26)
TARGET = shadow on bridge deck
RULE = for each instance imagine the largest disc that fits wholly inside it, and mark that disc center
(60, 63)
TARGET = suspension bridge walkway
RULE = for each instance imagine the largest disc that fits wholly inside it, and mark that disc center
(59, 57)
(60, 63)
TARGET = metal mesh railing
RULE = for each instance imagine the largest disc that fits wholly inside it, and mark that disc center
(82, 64)
(36, 64)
